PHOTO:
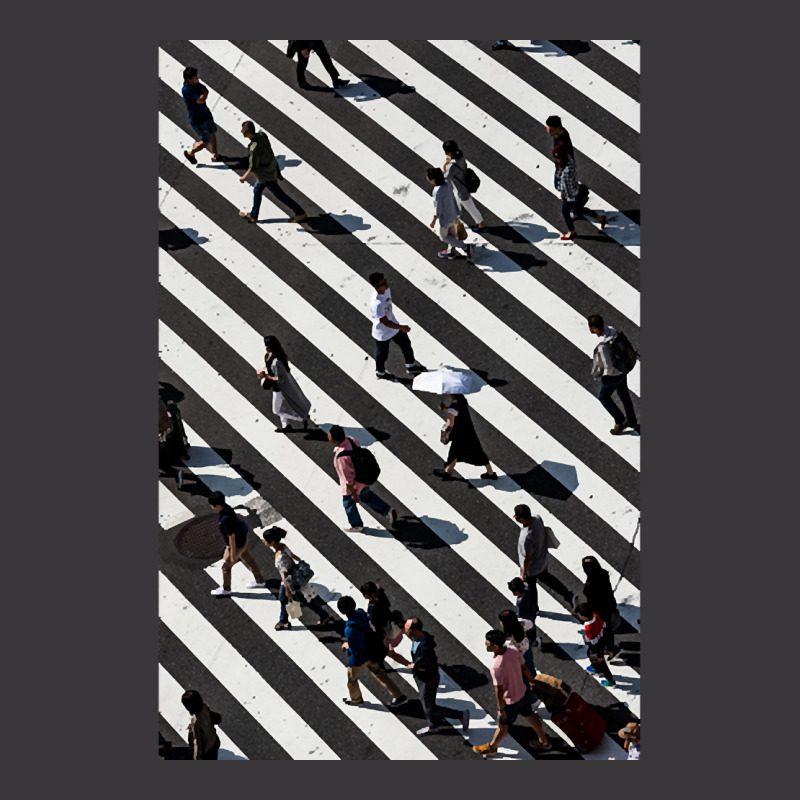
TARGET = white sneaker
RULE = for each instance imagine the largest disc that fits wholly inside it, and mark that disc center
(427, 730)
(354, 529)
(220, 592)
(254, 585)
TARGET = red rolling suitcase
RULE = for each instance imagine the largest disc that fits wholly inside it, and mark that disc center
(581, 723)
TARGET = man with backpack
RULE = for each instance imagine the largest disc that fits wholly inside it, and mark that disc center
(365, 648)
(357, 468)
(613, 359)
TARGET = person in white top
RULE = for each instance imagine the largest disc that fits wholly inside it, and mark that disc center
(284, 563)
(385, 329)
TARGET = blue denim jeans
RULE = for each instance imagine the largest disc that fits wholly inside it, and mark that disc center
(369, 499)
(316, 604)
(277, 193)
(566, 211)
(619, 384)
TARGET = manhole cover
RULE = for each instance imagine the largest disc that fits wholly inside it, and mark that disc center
(200, 538)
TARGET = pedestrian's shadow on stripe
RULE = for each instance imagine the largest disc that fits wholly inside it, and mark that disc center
(337, 224)
(493, 382)
(538, 481)
(466, 677)
(380, 86)
(283, 162)
(179, 239)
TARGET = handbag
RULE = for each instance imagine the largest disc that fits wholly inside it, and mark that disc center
(299, 576)
(392, 630)
(294, 610)
(446, 434)
(461, 231)
(552, 542)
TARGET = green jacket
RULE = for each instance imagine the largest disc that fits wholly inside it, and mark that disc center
(262, 160)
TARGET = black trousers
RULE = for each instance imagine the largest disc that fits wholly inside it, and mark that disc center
(551, 582)
(318, 46)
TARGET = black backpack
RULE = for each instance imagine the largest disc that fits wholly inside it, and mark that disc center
(623, 356)
(364, 463)
(376, 649)
(471, 180)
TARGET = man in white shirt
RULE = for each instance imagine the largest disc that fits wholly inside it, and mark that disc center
(385, 329)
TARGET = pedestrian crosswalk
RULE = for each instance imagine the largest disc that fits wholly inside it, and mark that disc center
(516, 319)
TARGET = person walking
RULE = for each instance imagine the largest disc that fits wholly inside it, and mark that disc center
(600, 595)
(611, 379)
(361, 653)
(263, 164)
(195, 95)
(560, 136)
(573, 195)
(518, 632)
(385, 622)
(445, 211)
(354, 492)
(464, 443)
(303, 48)
(288, 401)
(386, 329)
(284, 563)
(203, 738)
(454, 170)
(234, 532)
(509, 674)
(425, 668)
(534, 556)
(593, 636)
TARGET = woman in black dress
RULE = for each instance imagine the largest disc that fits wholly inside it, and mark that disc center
(464, 442)
(599, 594)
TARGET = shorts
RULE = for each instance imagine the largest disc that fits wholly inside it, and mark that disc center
(205, 129)
(512, 710)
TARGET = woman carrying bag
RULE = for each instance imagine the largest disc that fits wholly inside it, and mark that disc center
(455, 170)
(600, 596)
(285, 564)
(464, 443)
(288, 401)
(384, 621)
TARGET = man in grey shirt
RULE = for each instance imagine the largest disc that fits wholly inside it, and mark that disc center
(534, 556)
(445, 210)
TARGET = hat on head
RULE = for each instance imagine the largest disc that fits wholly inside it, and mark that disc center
(631, 731)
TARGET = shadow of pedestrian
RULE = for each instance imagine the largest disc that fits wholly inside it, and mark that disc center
(538, 481)
(484, 376)
(571, 47)
(380, 86)
(283, 162)
(173, 239)
(466, 677)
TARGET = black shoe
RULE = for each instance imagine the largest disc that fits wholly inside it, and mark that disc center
(339, 82)
(348, 702)
(413, 369)
(398, 701)
(442, 474)
(189, 157)
(489, 476)
(504, 46)
(386, 376)
(635, 427)
(304, 85)
(283, 430)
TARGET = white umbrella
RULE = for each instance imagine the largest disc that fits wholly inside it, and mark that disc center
(443, 381)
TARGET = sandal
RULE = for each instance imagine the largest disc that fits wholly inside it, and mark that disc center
(283, 626)
(537, 745)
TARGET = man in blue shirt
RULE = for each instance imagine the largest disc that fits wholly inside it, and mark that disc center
(195, 95)
(360, 644)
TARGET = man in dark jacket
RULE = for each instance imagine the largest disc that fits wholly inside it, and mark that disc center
(264, 166)
(362, 646)
(234, 533)
(303, 48)
(426, 674)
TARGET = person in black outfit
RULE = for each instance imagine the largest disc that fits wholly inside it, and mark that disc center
(303, 48)
(559, 135)
(600, 596)
(464, 442)
(384, 620)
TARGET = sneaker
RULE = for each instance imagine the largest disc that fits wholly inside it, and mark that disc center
(348, 702)
(471, 253)
(391, 515)
(354, 529)
(427, 730)
(618, 428)
(398, 701)
(189, 157)
(607, 682)
(635, 427)
(339, 82)
(444, 254)
(298, 218)
(220, 592)
(386, 376)
(411, 369)
(246, 215)
(591, 670)
(465, 720)
(180, 478)
(485, 749)
(256, 585)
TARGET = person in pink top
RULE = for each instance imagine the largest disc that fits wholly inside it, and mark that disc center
(354, 492)
(509, 673)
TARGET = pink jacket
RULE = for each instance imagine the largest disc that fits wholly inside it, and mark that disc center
(344, 467)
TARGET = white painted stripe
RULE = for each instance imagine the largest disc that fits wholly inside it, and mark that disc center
(524, 285)
(171, 708)
(502, 338)
(625, 50)
(410, 409)
(526, 97)
(496, 265)
(598, 495)
(482, 725)
(585, 80)
(239, 677)
(418, 580)
(332, 585)
(171, 511)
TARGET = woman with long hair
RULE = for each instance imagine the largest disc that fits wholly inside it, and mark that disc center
(454, 169)
(464, 443)
(384, 620)
(288, 401)
(600, 595)
(516, 631)
(284, 558)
